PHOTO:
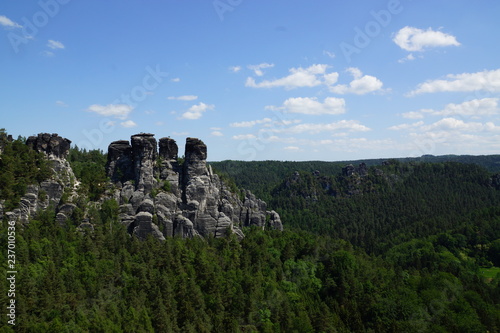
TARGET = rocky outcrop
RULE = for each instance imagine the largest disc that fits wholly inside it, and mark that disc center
(51, 144)
(349, 170)
(50, 191)
(158, 196)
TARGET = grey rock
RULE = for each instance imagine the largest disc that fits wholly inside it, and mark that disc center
(197, 202)
(53, 190)
(168, 149)
(144, 156)
(147, 206)
(184, 227)
(67, 209)
(144, 226)
(85, 227)
(51, 144)
(275, 220)
(120, 165)
(127, 192)
(136, 199)
(166, 225)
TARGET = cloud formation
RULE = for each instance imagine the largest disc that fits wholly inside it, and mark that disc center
(315, 128)
(196, 111)
(257, 69)
(417, 40)
(488, 80)
(119, 111)
(311, 106)
(251, 123)
(299, 77)
(8, 23)
(362, 84)
(183, 98)
(53, 44)
(128, 124)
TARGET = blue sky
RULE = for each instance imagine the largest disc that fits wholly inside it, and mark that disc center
(257, 80)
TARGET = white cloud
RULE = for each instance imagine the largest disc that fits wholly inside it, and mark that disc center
(413, 115)
(360, 85)
(196, 111)
(292, 148)
(128, 124)
(299, 77)
(331, 78)
(48, 53)
(216, 133)
(120, 111)
(488, 80)
(414, 39)
(8, 23)
(183, 98)
(244, 137)
(311, 106)
(251, 123)
(475, 107)
(406, 126)
(235, 69)
(54, 44)
(409, 57)
(257, 69)
(62, 104)
(447, 124)
(175, 79)
(350, 125)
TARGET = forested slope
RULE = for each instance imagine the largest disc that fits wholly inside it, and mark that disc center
(404, 247)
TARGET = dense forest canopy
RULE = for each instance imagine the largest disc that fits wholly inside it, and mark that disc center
(408, 246)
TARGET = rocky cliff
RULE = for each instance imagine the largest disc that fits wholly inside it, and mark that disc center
(158, 193)
(49, 192)
(161, 196)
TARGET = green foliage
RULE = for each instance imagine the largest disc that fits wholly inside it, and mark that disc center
(166, 186)
(19, 166)
(268, 282)
(89, 169)
(398, 251)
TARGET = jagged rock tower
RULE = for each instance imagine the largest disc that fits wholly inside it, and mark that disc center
(161, 197)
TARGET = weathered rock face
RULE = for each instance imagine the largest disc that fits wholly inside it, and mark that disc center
(159, 197)
(51, 144)
(120, 164)
(48, 192)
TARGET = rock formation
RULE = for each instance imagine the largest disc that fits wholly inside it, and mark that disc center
(48, 192)
(158, 196)
(51, 144)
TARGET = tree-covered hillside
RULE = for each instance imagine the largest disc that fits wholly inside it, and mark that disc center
(383, 247)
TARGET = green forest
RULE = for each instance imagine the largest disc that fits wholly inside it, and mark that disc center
(410, 246)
